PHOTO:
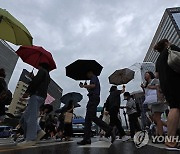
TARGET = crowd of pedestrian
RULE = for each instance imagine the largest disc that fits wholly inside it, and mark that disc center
(162, 85)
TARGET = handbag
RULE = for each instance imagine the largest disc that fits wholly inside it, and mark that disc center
(68, 117)
(174, 60)
(154, 96)
(106, 119)
(151, 96)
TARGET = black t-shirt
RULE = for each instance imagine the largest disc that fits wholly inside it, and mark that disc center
(96, 90)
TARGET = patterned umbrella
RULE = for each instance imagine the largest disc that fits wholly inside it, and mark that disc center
(122, 76)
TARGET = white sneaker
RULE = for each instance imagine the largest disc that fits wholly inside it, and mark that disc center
(125, 138)
(40, 134)
(26, 143)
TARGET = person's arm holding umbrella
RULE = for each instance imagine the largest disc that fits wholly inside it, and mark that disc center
(90, 86)
(119, 92)
(93, 81)
(123, 89)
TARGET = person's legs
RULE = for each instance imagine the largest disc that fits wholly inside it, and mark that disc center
(114, 121)
(136, 123)
(172, 124)
(31, 116)
(87, 127)
(91, 117)
(157, 120)
(132, 125)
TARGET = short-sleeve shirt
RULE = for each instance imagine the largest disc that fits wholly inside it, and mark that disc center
(154, 82)
(97, 89)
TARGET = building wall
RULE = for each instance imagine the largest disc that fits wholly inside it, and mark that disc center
(169, 29)
(8, 59)
(56, 92)
(17, 106)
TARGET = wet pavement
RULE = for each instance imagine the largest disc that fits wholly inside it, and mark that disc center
(97, 147)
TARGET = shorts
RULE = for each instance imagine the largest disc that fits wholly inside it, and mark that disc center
(161, 107)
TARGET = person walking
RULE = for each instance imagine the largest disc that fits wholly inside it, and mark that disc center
(112, 106)
(3, 87)
(68, 130)
(37, 91)
(94, 100)
(157, 108)
(169, 83)
(132, 114)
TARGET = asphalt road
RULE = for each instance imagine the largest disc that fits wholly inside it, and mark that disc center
(97, 147)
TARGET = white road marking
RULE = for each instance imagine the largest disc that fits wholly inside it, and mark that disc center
(162, 146)
(99, 144)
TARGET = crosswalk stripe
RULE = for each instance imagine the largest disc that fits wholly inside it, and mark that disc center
(162, 146)
(98, 144)
(40, 144)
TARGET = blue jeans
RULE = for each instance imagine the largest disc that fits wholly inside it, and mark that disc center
(29, 118)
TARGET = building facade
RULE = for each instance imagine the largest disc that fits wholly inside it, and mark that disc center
(54, 92)
(16, 106)
(169, 28)
(8, 59)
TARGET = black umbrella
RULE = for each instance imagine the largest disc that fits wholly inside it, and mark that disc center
(78, 69)
(72, 96)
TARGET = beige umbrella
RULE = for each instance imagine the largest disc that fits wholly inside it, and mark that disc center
(122, 76)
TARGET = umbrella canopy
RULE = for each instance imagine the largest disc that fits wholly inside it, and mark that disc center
(12, 30)
(34, 55)
(78, 69)
(73, 96)
(122, 76)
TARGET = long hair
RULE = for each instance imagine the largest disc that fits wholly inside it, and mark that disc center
(161, 45)
(152, 76)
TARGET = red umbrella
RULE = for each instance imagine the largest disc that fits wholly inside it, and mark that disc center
(34, 55)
